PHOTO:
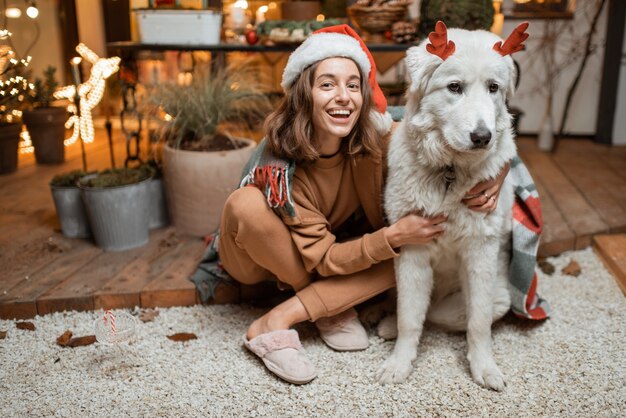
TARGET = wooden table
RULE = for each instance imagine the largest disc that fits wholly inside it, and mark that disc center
(386, 55)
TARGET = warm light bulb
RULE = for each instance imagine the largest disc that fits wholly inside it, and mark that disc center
(32, 12)
(13, 12)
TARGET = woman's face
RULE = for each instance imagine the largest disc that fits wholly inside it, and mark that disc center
(337, 98)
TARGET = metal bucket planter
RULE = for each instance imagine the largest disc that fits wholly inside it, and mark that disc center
(158, 206)
(118, 215)
(71, 211)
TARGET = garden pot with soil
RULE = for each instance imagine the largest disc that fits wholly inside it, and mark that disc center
(69, 206)
(9, 142)
(46, 126)
(117, 204)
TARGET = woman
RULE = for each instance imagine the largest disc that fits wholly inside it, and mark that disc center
(313, 217)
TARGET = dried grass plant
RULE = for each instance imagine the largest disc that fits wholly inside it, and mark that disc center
(199, 114)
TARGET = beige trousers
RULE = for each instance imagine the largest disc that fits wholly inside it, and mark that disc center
(255, 245)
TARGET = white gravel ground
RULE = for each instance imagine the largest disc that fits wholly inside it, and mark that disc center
(574, 364)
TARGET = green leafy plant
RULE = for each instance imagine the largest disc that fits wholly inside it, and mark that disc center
(308, 26)
(14, 85)
(198, 115)
(42, 94)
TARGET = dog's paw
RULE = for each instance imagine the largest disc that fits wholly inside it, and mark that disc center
(393, 370)
(489, 376)
(388, 327)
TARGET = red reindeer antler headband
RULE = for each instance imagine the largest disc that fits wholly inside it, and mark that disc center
(440, 45)
(514, 42)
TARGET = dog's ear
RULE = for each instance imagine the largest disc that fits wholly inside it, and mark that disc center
(420, 65)
(512, 69)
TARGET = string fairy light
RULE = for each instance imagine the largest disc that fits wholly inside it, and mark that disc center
(13, 89)
(26, 145)
(90, 93)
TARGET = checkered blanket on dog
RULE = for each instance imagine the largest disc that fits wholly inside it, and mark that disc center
(527, 226)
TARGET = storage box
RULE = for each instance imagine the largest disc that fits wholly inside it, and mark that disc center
(179, 27)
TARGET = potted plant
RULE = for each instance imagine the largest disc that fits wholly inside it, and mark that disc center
(69, 204)
(116, 202)
(290, 31)
(13, 90)
(158, 217)
(202, 160)
(466, 14)
(46, 123)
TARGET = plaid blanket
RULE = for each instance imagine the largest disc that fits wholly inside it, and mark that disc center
(274, 177)
(527, 225)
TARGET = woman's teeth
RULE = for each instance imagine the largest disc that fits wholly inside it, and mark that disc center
(339, 112)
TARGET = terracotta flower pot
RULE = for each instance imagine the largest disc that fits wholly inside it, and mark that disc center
(9, 141)
(46, 126)
(197, 185)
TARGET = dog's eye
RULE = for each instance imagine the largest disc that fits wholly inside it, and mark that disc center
(455, 87)
(493, 87)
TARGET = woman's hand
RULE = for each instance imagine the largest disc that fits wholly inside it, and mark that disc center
(414, 229)
(484, 196)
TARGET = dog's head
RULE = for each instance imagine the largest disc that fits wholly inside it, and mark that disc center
(459, 83)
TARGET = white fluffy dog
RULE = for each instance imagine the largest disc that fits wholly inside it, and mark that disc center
(455, 133)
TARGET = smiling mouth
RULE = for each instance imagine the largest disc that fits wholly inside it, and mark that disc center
(340, 113)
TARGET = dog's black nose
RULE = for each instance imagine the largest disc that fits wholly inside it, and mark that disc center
(480, 137)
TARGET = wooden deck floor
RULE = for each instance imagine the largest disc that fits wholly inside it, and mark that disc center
(582, 187)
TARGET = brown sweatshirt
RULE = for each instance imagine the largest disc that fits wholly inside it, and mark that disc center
(326, 200)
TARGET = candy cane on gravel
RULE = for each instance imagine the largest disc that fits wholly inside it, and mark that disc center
(108, 315)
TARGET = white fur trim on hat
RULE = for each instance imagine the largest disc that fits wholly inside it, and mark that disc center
(320, 46)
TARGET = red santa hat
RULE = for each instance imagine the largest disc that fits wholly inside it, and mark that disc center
(339, 41)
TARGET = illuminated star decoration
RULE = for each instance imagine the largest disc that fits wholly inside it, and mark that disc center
(90, 93)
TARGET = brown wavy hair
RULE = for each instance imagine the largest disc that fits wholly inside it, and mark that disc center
(289, 129)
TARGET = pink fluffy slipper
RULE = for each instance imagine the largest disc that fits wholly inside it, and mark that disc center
(343, 332)
(283, 355)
